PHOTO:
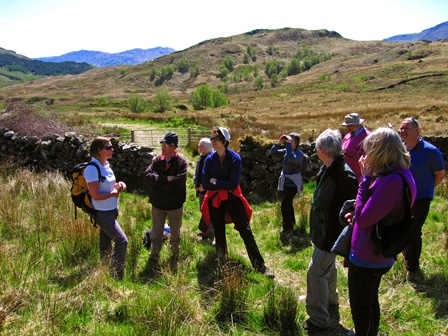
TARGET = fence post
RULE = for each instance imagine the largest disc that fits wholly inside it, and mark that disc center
(132, 137)
(189, 137)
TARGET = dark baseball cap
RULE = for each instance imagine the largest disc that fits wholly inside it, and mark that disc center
(170, 139)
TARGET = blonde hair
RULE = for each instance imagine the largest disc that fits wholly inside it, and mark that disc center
(385, 150)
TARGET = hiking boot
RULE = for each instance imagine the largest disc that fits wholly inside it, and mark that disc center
(174, 262)
(286, 236)
(415, 276)
(311, 327)
(264, 270)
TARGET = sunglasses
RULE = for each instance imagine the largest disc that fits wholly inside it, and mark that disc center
(108, 147)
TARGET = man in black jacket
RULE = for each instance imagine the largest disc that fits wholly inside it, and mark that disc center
(167, 176)
(335, 183)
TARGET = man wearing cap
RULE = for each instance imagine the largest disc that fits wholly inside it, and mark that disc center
(224, 201)
(352, 142)
(428, 169)
(167, 177)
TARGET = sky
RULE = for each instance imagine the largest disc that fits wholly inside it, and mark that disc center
(43, 28)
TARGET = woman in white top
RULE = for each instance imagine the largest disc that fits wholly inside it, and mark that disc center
(104, 191)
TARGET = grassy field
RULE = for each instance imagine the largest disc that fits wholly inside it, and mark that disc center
(51, 278)
(53, 283)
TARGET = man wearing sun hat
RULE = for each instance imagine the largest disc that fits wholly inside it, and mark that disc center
(352, 142)
(167, 177)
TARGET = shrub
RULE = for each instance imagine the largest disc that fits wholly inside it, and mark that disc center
(223, 71)
(137, 103)
(228, 63)
(183, 66)
(102, 101)
(246, 58)
(258, 83)
(194, 72)
(162, 101)
(204, 97)
(219, 99)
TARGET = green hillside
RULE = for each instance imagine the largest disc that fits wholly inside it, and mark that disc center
(16, 68)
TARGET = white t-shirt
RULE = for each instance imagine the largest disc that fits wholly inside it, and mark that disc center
(91, 175)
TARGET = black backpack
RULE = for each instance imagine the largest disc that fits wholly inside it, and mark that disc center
(80, 193)
(306, 167)
(391, 239)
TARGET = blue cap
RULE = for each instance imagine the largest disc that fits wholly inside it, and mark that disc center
(170, 139)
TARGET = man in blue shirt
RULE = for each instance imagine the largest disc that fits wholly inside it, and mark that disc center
(428, 169)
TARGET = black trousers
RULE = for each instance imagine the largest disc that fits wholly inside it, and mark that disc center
(289, 219)
(413, 251)
(363, 285)
(237, 212)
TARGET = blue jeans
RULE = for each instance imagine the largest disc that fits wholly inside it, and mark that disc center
(321, 292)
(110, 231)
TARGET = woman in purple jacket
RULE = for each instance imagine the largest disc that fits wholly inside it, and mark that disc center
(380, 192)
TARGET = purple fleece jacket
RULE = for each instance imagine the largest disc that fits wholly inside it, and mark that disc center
(376, 199)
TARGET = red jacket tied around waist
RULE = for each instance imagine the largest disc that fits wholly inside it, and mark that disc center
(216, 197)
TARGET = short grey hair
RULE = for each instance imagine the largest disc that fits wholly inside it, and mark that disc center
(413, 122)
(207, 143)
(331, 140)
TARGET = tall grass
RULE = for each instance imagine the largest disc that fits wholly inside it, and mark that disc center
(53, 283)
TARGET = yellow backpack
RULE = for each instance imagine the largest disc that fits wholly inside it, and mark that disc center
(80, 192)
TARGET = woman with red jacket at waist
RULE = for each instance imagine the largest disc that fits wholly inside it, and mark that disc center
(224, 201)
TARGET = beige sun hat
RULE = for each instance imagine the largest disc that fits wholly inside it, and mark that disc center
(352, 119)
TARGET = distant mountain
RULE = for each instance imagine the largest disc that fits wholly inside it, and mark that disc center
(103, 59)
(439, 32)
(15, 68)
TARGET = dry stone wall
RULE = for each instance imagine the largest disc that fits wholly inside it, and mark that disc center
(60, 153)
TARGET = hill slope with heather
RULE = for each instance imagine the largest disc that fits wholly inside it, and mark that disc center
(383, 81)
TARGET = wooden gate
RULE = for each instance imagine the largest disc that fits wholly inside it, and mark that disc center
(151, 137)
